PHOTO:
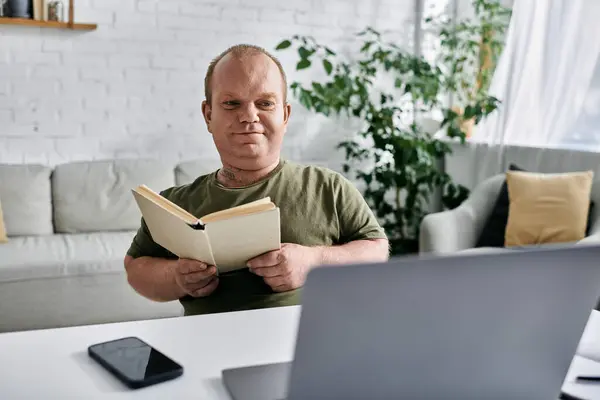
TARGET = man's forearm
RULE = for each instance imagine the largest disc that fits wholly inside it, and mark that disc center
(375, 250)
(153, 278)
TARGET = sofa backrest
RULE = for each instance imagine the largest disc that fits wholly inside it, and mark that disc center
(472, 163)
(86, 196)
(25, 198)
(187, 171)
(96, 196)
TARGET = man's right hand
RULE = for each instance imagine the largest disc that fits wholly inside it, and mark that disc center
(196, 278)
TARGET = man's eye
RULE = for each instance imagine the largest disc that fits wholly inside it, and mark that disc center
(267, 104)
(230, 103)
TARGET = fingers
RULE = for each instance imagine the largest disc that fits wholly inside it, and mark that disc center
(281, 288)
(269, 272)
(269, 259)
(195, 277)
(277, 281)
(207, 289)
(186, 266)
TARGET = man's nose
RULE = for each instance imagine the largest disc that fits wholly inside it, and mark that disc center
(248, 114)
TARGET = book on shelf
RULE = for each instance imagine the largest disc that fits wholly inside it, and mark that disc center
(39, 7)
(226, 238)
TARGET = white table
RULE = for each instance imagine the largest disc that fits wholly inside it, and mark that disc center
(53, 364)
(586, 362)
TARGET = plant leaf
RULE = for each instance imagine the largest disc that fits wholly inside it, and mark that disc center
(302, 64)
(317, 87)
(328, 67)
(470, 112)
(306, 99)
(366, 46)
(283, 45)
(304, 52)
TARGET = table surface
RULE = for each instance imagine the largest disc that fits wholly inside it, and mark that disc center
(54, 363)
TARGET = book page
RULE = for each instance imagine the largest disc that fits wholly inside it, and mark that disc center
(236, 240)
(173, 233)
(244, 209)
(169, 206)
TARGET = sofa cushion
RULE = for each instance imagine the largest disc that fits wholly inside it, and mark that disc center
(26, 199)
(53, 256)
(96, 196)
(494, 230)
(186, 172)
(547, 208)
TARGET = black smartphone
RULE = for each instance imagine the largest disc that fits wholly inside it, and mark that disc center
(135, 362)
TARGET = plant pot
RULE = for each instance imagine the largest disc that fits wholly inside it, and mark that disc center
(19, 8)
(466, 125)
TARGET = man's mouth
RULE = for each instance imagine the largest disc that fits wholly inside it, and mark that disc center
(248, 137)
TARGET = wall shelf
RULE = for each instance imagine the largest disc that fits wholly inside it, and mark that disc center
(70, 24)
(47, 24)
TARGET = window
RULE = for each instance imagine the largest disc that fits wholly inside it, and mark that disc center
(585, 134)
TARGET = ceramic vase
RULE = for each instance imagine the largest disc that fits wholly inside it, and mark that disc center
(19, 8)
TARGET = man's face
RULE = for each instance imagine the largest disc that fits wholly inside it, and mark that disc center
(248, 116)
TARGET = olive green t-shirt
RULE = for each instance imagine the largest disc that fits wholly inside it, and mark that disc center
(318, 207)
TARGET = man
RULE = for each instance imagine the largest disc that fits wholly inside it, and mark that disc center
(324, 219)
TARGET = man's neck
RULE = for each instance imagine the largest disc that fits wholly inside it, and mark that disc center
(233, 177)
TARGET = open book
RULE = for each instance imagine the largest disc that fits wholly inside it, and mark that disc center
(226, 239)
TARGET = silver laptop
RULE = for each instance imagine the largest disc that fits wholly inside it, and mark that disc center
(472, 326)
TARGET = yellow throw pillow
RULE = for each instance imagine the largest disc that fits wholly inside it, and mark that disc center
(3, 238)
(547, 208)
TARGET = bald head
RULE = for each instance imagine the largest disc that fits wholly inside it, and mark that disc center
(242, 55)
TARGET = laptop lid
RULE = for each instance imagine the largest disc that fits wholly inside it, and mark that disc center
(463, 326)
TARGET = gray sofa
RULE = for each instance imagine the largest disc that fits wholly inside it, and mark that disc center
(481, 168)
(69, 228)
(458, 229)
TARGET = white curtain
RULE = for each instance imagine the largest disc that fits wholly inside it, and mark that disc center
(544, 73)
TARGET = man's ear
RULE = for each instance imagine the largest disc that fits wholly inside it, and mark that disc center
(287, 111)
(207, 113)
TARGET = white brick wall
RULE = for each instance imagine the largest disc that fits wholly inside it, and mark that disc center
(133, 87)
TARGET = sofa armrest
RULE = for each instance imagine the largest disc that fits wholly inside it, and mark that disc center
(593, 236)
(458, 229)
(447, 231)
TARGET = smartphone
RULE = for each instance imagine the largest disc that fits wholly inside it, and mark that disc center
(134, 362)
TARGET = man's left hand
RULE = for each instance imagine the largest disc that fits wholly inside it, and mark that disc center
(285, 269)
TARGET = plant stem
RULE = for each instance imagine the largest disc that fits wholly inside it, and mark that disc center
(399, 207)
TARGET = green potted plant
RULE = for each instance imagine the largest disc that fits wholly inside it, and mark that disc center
(468, 54)
(392, 153)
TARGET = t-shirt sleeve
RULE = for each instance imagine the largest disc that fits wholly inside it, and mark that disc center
(144, 246)
(356, 219)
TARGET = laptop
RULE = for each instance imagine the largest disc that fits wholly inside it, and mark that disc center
(469, 326)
